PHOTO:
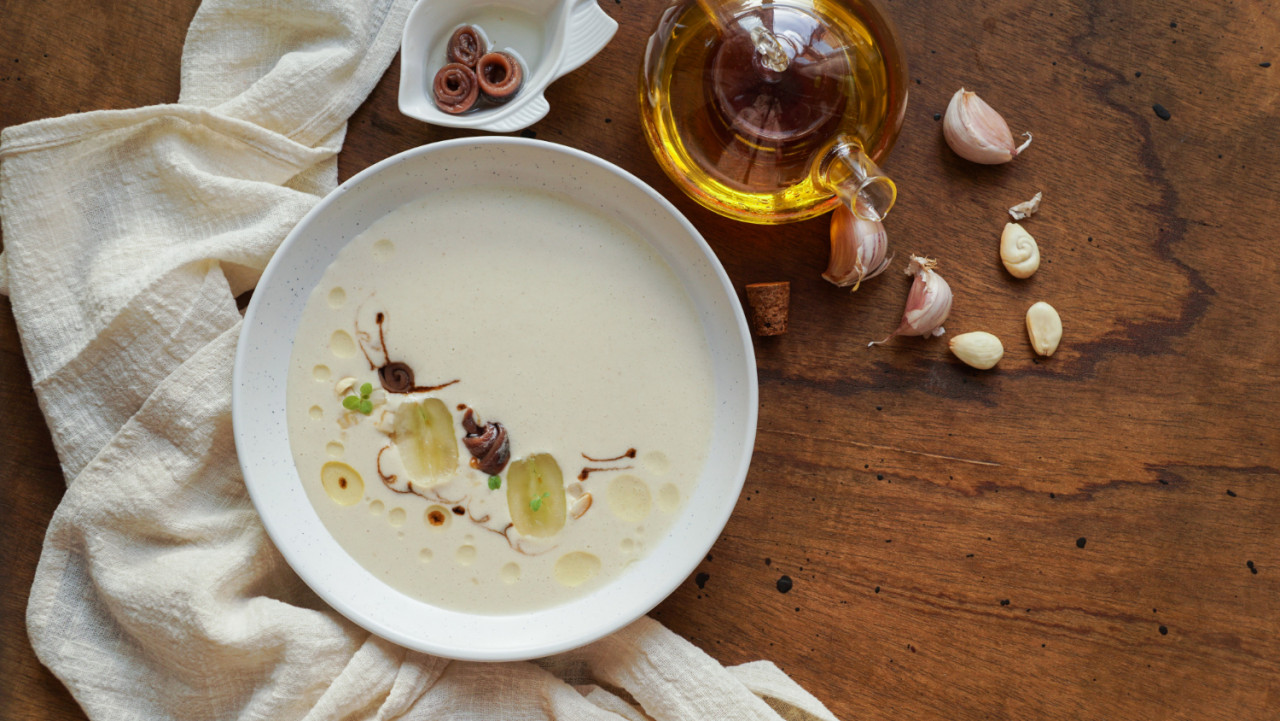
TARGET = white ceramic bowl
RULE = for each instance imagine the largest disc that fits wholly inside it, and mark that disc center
(261, 368)
(552, 37)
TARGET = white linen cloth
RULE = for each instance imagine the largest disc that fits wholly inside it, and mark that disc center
(128, 236)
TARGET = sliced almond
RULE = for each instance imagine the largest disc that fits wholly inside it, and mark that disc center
(580, 506)
(386, 422)
(344, 386)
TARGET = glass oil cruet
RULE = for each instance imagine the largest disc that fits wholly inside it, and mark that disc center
(772, 111)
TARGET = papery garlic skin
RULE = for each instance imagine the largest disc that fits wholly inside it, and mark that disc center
(1026, 208)
(977, 349)
(976, 132)
(858, 249)
(928, 303)
(1018, 251)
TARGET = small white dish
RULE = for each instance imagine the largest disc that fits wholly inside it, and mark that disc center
(262, 366)
(552, 37)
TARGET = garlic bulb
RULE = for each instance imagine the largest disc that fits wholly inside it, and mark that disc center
(928, 303)
(1018, 251)
(975, 131)
(858, 249)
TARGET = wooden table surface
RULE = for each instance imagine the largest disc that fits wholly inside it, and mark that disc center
(1095, 535)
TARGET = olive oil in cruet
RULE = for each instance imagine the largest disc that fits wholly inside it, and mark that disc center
(772, 112)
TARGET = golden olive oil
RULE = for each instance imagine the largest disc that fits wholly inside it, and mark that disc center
(744, 140)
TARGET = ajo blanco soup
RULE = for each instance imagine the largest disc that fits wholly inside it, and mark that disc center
(498, 399)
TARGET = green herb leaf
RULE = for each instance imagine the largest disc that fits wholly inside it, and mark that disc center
(366, 407)
(536, 503)
(351, 403)
(366, 390)
(495, 482)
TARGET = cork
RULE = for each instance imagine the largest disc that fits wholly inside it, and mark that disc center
(770, 304)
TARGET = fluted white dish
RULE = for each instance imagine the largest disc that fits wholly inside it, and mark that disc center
(552, 37)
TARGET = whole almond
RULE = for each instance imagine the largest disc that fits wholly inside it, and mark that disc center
(977, 348)
(1018, 251)
(1044, 327)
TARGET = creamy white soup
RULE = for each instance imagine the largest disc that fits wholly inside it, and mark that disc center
(498, 399)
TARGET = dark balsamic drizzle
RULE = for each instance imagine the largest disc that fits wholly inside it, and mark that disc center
(388, 480)
(587, 471)
(395, 376)
(631, 453)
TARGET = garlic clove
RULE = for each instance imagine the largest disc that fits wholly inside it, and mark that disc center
(978, 349)
(1026, 208)
(975, 131)
(1044, 328)
(928, 303)
(858, 249)
(1018, 251)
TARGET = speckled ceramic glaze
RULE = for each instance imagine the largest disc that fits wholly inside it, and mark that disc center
(262, 363)
(551, 37)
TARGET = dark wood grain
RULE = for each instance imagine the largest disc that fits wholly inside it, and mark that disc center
(1063, 538)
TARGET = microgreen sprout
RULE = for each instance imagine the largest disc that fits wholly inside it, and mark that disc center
(536, 503)
(360, 403)
(495, 482)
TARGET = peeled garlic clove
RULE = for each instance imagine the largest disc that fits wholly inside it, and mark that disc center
(1018, 251)
(1044, 328)
(928, 303)
(858, 249)
(1026, 208)
(975, 131)
(978, 349)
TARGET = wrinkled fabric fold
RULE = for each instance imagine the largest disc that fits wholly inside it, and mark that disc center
(128, 236)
